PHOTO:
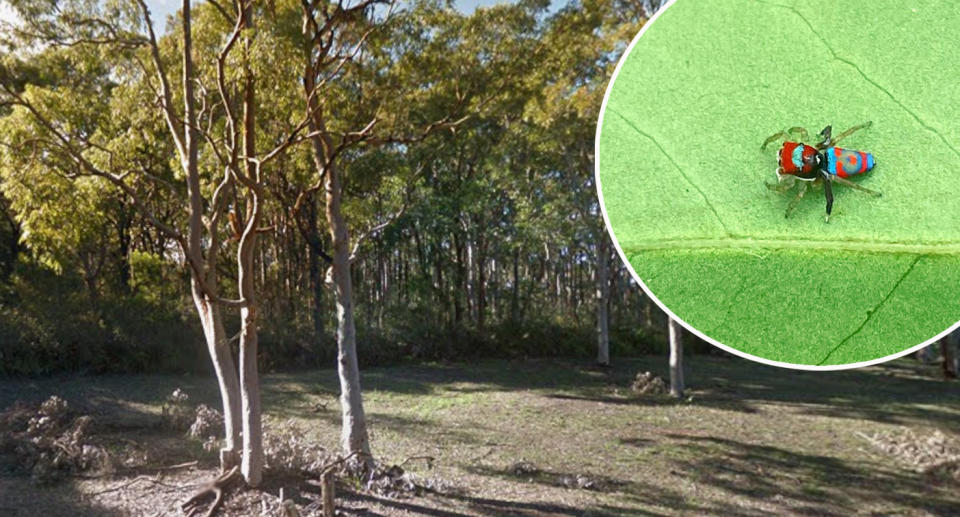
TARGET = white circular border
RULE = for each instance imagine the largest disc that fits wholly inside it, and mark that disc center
(633, 273)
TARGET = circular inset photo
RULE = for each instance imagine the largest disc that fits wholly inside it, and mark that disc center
(783, 178)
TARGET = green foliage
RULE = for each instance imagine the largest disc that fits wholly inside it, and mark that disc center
(26, 346)
(682, 175)
(471, 196)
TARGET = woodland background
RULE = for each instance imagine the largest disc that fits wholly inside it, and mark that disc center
(493, 225)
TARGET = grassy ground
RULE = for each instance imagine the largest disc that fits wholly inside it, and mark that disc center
(752, 440)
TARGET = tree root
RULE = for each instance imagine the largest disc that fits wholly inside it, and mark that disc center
(192, 507)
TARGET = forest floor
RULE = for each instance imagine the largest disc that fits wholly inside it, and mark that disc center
(553, 438)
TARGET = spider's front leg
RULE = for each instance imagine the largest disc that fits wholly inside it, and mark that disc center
(828, 141)
(784, 182)
(802, 189)
(785, 135)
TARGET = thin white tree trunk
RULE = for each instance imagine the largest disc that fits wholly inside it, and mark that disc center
(602, 295)
(676, 359)
(225, 369)
(354, 437)
(217, 343)
(252, 463)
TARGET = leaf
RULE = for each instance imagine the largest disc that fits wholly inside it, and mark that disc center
(682, 174)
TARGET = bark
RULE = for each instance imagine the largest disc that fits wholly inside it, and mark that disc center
(602, 296)
(122, 255)
(209, 312)
(948, 355)
(316, 279)
(647, 311)
(225, 369)
(515, 288)
(252, 463)
(676, 359)
(354, 438)
(461, 281)
(328, 484)
(481, 262)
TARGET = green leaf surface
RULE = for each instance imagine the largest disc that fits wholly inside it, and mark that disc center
(682, 174)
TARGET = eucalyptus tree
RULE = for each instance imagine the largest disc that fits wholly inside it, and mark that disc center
(586, 39)
(209, 123)
(78, 236)
(379, 79)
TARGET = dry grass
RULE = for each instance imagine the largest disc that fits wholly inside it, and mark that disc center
(753, 440)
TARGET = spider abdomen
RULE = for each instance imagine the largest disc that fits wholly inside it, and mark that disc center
(847, 162)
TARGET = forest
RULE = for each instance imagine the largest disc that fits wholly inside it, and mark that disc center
(347, 258)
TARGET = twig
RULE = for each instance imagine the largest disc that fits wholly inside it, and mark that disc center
(191, 507)
(144, 477)
(193, 463)
(428, 459)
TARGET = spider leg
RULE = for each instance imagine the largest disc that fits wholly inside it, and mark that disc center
(851, 184)
(804, 136)
(784, 182)
(785, 134)
(827, 191)
(802, 189)
(774, 137)
(854, 129)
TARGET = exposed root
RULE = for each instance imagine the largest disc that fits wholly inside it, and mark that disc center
(193, 506)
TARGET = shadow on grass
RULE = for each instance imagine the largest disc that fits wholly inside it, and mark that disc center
(650, 496)
(784, 481)
(901, 392)
(474, 505)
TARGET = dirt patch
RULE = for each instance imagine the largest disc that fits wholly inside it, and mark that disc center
(758, 441)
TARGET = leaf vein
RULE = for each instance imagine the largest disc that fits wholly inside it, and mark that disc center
(865, 77)
(875, 310)
(677, 166)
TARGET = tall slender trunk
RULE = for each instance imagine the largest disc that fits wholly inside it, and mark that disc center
(647, 311)
(122, 255)
(252, 462)
(948, 353)
(676, 358)
(481, 291)
(461, 281)
(209, 312)
(316, 278)
(515, 288)
(602, 296)
(354, 438)
(225, 369)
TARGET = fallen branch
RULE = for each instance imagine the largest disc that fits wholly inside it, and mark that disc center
(152, 479)
(192, 506)
(178, 466)
(428, 459)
